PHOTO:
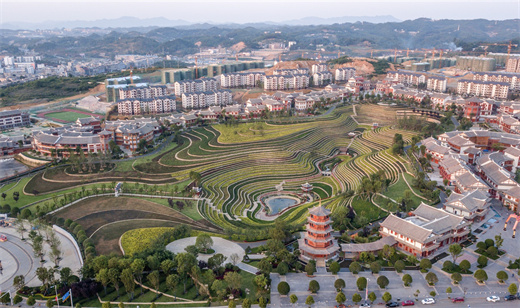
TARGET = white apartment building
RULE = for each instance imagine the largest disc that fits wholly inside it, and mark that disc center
(318, 68)
(437, 84)
(196, 100)
(512, 78)
(345, 73)
(142, 92)
(146, 106)
(198, 85)
(233, 80)
(284, 82)
(489, 89)
(320, 79)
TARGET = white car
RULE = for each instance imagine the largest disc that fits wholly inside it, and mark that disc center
(428, 301)
(493, 298)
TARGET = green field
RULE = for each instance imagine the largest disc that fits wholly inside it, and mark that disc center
(68, 116)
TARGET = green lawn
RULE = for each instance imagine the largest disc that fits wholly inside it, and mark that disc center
(258, 131)
(397, 190)
(66, 116)
(190, 211)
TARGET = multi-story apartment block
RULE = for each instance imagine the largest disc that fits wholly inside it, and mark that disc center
(322, 78)
(13, 118)
(198, 100)
(158, 105)
(490, 89)
(437, 84)
(513, 65)
(248, 79)
(345, 73)
(198, 85)
(318, 68)
(284, 82)
(292, 71)
(512, 78)
(406, 77)
(142, 92)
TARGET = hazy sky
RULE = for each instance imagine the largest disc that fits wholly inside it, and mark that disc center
(253, 11)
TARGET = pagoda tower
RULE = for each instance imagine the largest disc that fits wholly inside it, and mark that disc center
(317, 242)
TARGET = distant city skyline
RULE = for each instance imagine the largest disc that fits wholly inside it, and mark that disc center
(252, 11)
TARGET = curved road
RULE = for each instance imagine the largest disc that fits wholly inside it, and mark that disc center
(17, 259)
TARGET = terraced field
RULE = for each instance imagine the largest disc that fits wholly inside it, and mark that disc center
(235, 174)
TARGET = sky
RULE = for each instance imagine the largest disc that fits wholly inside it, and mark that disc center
(252, 10)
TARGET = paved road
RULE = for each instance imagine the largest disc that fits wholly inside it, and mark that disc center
(455, 122)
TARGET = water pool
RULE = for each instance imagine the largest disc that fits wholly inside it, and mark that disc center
(279, 203)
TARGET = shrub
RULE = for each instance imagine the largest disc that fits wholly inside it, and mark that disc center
(425, 265)
(31, 301)
(482, 261)
(489, 243)
(464, 266)
(284, 288)
(502, 276)
(399, 266)
(310, 268)
(282, 268)
(140, 240)
(354, 267)
(25, 214)
(67, 223)
(481, 246)
(492, 252)
(448, 266)
(356, 298)
(480, 275)
(339, 284)
(334, 267)
(387, 297)
(341, 298)
(407, 280)
(314, 286)
(375, 267)
(456, 277)
(431, 278)
(512, 289)
(361, 283)
(382, 281)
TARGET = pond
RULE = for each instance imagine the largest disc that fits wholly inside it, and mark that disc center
(279, 203)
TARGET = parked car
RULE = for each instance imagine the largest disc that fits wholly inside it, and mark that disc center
(392, 304)
(365, 305)
(3, 238)
(457, 300)
(428, 301)
(408, 303)
(510, 297)
(493, 298)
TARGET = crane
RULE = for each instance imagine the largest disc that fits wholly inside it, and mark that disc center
(509, 46)
(196, 70)
(516, 219)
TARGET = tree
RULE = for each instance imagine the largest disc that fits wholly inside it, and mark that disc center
(433, 294)
(455, 251)
(31, 301)
(492, 252)
(219, 287)
(480, 275)
(137, 267)
(489, 243)
(456, 277)
(282, 268)
(293, 298)
(334, 267)
(407, 280)
(262, 302)
(339, 284)
(512, 289)
(19, 282)
(113, 275)
(356, 298)
(127, 278)
(354, 267)
(372, 297)
(499, 241)
(284, 288)
(265, 267)
(103, 278)
(464, 266)
(17, 299)
(233, 280)
(382, 281)
(314, 286)
(399, 266)
(431, 278)
(482, 261)
(386, 297)
(425, 265)
(232, 303)
(185, 262)
(167, 266)
(481, 246)
(121, 305)
(216, 261)
(310, 268)
(502, 276)
(171, 282)
(361, 283)
(375, 267)
(235, 258)
(341, 298)
(449, 291)
(204, 242)
(246, 303)
(309, 301)
(106, 305)
(50, 303)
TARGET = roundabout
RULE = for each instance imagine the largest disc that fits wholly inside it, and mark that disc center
(220, 245)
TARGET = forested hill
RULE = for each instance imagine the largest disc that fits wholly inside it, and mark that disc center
(413, 34)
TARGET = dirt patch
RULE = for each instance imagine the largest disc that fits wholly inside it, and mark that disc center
(238, 47)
